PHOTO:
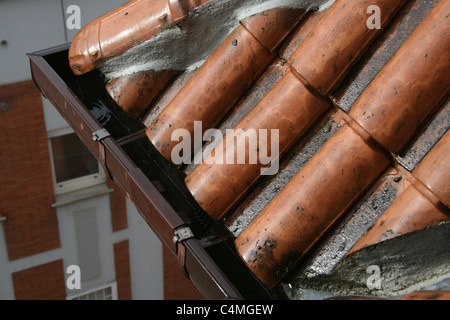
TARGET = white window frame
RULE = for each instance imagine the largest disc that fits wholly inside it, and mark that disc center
(74, 184)
(112, 285)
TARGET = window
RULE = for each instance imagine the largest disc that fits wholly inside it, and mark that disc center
(108, 292)
(73, 166)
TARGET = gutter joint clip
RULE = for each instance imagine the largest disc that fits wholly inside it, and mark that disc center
(182, 234)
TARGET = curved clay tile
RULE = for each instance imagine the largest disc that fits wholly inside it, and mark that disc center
(346, 165)
(271, 27)
(135, 93)
(428, 295)
(434, 170)
(289, 108)
(414, 82)
(309, 204)
(122, 28)
(218, 84)
(338, 40)
(417, 207)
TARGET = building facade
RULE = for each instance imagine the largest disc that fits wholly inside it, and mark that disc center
(67, 231)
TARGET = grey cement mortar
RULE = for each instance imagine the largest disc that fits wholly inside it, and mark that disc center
(353, 226)
(416, 261)
(188, 43)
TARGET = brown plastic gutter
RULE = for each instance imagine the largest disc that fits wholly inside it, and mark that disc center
(154, 208)
(107, 151)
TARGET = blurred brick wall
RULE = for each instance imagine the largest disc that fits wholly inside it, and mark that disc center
(44, 282)
(25, 173)
(118, 207)
(122, 266)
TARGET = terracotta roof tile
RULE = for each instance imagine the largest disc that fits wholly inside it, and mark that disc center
(415, 82)
(135, 93)
(380, 52)
(290, 107)
(418, 206)
(428, 295)
(337, 41)
(434, 170)
(124, 27)
(309, 204)
(273, 26)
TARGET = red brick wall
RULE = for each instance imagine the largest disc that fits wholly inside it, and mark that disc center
(176, 285)
(118, 206)
(25, 173)
(122, 265)
(44, 282)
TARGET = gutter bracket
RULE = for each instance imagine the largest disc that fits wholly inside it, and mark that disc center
(182, 234)
(101, 134)
(98, 136)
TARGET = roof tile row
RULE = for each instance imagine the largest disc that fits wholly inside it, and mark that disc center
(390, 111)
(225, 76)
(402, 88)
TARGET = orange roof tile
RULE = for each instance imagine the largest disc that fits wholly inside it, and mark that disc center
(115, 32)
